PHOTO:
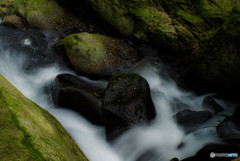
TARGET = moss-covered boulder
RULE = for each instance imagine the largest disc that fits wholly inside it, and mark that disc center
(28, 132)
(98, 55)
(217, 63)
(13, 21)
(6, 8)
(180, 25)
(127, 103)
(40, 14)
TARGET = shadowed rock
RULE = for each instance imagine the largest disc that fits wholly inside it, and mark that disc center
(127, 103)
(71, 92)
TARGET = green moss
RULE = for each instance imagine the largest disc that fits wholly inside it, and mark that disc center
(27, 131)
(215, 11)
(208, 35)
(95, 53)
(232, 25)
(116, 14)
(43, 14)
(113, 80)
(193, 21)
(6, 8)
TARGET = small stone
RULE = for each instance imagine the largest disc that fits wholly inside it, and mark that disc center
(13, 21)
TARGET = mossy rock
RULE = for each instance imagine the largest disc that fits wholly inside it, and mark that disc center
(98, 55)
(13, 21)
(47, 14)
(217, 63)
(178, 25)
(29, 132)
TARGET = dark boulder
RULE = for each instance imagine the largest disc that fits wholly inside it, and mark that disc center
(229, 129)
(210, 104)
(71, 92)
(190, 120)
(127, 103)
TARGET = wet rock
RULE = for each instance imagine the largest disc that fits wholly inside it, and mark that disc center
(98, 55)
(13, 21)
(190, 120)
(204, 153)
(229, 129)
(210, 104)
(40, 14)
(48, 15)
(71, 92)
(127, 103)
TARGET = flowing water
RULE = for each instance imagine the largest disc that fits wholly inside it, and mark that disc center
(29, 64)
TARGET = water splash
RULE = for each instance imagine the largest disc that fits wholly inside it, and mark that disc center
(159, 141)
(33, 83)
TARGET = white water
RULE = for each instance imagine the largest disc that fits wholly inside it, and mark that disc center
(162, 137)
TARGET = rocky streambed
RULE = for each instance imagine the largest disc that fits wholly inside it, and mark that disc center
(119, 84)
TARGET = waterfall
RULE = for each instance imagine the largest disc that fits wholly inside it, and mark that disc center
(31, 67)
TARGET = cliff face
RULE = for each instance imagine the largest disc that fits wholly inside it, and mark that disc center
(28, 132)
(178, 24)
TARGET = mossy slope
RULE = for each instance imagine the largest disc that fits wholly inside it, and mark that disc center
(42, 14)
(180, 25)
(28, 132)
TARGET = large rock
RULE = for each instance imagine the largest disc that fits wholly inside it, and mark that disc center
(28, 132)
(127, 103)
(48, 15)
(13, 21)
(180, 25)
(98, 55)
(216, 65)
(40, 14)
(190, 120)
(204, 32)
(71, 92)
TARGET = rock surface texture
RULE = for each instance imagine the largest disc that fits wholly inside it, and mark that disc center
(98, 55)
(203, 35)
(47, 14)
(127, 103)
(29, 132)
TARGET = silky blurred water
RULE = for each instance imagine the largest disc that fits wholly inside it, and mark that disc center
(31, 66)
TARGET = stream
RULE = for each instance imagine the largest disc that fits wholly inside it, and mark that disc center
(28, 62)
